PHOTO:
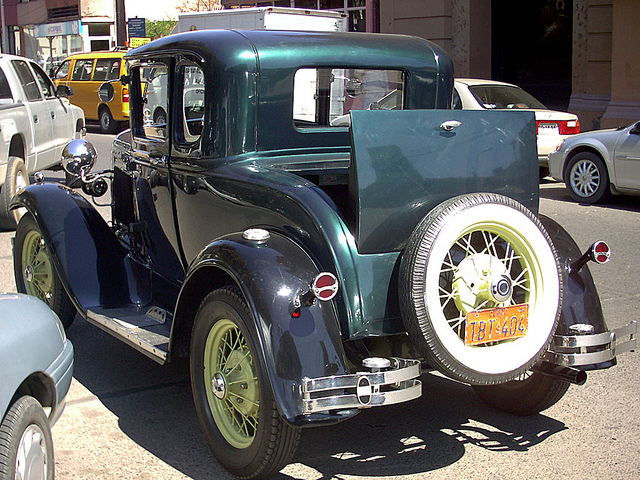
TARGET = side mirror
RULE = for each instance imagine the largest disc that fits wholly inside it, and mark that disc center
(63, 91)
(79, 157)
(106, 92)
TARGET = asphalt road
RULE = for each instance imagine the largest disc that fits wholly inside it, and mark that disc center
(129, 418)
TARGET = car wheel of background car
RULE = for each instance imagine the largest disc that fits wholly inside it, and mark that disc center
(586, 178)
(26, 446)
(107, 123)
(232, 393)
(34, 271)
(471, 269)
(159, 117)
(532, 394)
(16, 179)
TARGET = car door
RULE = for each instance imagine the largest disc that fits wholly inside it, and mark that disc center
(627, 159)
(63, 125)
(149, 171)
(40, 116)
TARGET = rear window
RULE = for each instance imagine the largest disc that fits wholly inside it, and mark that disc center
(504, 97)
(323, 97)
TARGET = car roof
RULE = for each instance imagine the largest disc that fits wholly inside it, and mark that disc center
(98, 54)
(470, 82)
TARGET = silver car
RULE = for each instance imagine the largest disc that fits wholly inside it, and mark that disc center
(35, 374)
(594, 165)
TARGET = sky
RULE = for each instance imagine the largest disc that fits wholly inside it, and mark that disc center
(155, 10)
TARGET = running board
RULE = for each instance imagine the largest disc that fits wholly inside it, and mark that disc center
(141, 328)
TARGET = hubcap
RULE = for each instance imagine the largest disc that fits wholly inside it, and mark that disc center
(584, 178)
(218, 386)
(31, 457)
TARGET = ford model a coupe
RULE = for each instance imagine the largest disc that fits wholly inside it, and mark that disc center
(313, 227)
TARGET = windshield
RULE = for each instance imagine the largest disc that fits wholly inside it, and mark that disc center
(504, 96)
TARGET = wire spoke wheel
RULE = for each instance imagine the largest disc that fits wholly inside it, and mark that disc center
(232, 392)
(37, 269)
(473, 255)
(234, 396)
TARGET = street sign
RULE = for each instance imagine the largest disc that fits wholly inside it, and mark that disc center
(137, 27)
(137, 41)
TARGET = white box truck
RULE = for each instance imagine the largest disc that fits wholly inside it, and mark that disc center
(264, 18)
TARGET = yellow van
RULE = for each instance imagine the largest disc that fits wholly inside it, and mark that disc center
(84, 73)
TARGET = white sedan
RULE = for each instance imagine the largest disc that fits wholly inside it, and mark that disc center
(595, 164)
(552, 126)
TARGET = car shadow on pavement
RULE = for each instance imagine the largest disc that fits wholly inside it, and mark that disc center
(154, 409)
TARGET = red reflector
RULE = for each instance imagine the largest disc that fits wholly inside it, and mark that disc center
(601, 252)
(325, 286)
(125, 95)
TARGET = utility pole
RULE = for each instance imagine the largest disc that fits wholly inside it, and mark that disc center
(121, 23)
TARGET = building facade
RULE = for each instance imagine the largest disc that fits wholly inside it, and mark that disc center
(50, 30)
(576, 55)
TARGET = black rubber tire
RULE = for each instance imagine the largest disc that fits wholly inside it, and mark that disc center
(56, 296)
(433, 279)
(532, 395)
(26, 415)
(543, 172)
(587, 167)
(107, 123)
(15, 169)
(273, 442)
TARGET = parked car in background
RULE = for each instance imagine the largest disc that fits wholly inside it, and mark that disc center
(36, 121)
(595, 164)
(35, 376)
(552, 126)
(84, 73)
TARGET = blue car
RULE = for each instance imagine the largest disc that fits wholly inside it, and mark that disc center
(36, 367)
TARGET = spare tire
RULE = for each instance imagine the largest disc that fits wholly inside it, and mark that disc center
(480, 256)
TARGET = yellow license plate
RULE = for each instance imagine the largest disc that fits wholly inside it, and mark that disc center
(496, 324)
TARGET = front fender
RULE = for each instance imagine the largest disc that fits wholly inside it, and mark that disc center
(87, 256)
(270, 275)
(580, 302)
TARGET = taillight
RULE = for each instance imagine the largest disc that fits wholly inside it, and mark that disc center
(570, 127)
(125, 95)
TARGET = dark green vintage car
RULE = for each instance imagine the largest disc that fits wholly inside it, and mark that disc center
(313, 225)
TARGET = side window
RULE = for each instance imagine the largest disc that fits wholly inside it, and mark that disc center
(324, 97)
(63, 70)
(82, 70)
(456, 104)
(192, 102)
(101, 70)
(5, 89)
(155, 95)
(45, 82)
(29, 84)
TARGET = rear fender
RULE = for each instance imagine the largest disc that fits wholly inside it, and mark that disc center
(270, 275)
(580, 301)
(86, 254)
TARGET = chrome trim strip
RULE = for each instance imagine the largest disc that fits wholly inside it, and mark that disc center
(363, 389)
(570, 351)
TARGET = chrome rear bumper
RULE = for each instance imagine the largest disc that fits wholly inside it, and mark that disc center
(577, 350)
(395, 384)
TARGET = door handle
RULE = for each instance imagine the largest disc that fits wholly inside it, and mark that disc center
(35, 119)
(449, 125)
(53, 115)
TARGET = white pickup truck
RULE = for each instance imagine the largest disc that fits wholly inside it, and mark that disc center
(36, 122)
